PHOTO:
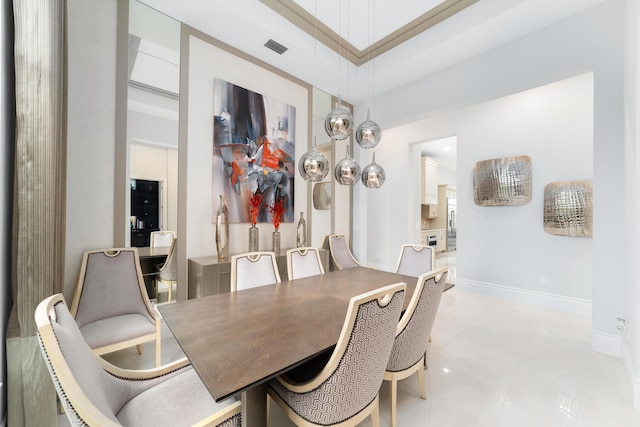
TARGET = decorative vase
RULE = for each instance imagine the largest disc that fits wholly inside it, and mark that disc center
(222, 230)
(301, 235)
(276, 242)
(254, 235)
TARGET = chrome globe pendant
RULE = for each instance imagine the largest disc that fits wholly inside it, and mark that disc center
(313, 165)
(347, 171)
(339, 122)
(373, 175)
(368, 133)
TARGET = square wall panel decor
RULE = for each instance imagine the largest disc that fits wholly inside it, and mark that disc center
(502, 182)
(568, 208)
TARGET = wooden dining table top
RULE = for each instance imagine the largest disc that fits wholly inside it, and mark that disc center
(237, 340)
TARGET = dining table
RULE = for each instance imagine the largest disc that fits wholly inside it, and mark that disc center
(238, 341)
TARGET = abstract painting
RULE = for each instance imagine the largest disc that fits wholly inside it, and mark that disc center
(253, 153)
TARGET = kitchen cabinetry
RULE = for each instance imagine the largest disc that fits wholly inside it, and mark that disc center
(429, 181)
(436, 238)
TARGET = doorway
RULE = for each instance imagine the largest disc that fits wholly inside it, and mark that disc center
(145, 210)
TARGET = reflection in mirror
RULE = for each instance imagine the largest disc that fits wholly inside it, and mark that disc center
(320, 215)
(152, 121)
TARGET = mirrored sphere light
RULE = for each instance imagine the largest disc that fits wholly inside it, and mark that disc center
(368, 133)
(347, 171)
(313, 165)
(339, 123)
(373, 175)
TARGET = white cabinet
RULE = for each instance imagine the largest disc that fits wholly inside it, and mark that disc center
(429, 181)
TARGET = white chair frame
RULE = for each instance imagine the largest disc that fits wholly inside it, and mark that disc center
(306, 252)
(252, 257)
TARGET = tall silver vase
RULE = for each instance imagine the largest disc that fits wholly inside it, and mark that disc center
(222, 230)
(276, 242)
(254, 243)
(301, 233)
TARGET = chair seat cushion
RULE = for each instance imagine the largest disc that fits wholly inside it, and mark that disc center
(117, 329)
(181, 400)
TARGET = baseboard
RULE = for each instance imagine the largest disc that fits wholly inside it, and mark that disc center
(633, 375)
(572, 305)
(606, 343)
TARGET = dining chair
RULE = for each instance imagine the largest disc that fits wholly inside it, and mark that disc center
(168, 272)
(345, 391)
(408, 355)
(94, 392)
(161, 238)
(340, 252)
(415, 260)
(111, 304)
(253, 269)
(303, 262)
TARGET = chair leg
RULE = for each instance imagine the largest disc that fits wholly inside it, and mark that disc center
(394, 399)
(375, 414)
(170, 298)
(423, 390)
(139, 347)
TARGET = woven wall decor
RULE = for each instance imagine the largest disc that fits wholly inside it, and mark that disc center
(568, 208)
(322, 195)
(502, 182)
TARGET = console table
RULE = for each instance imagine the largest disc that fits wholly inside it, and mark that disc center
(209, 276)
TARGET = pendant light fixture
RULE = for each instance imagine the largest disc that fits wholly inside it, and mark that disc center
(347, 170)
(368, 133)
(373, 175)
(339, 122)
(313, 165)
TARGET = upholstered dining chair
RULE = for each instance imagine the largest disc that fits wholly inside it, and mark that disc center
(168, 272)
(253, 269)
(415, 260)
(340, 252)
(111, 304)
(345, 391)
(161, 238)
(94, 392)
(303, 262)
(408, 355)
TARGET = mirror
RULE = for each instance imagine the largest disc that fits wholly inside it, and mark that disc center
(152, 121)
(320, 212)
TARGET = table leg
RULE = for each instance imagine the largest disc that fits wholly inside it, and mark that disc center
(254, 406)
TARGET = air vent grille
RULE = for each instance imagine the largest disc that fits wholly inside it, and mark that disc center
(276, 47)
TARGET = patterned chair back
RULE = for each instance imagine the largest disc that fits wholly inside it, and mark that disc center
(415, 325)
(353, 375)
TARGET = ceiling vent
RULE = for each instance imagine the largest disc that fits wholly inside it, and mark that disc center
(276, 47)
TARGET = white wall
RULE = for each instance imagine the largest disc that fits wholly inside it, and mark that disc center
(502, 245)
(631, 342)
(590, 41)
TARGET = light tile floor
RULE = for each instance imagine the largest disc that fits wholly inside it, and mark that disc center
(496, 363)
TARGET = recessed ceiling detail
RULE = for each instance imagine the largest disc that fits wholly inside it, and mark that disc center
(300, 17)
